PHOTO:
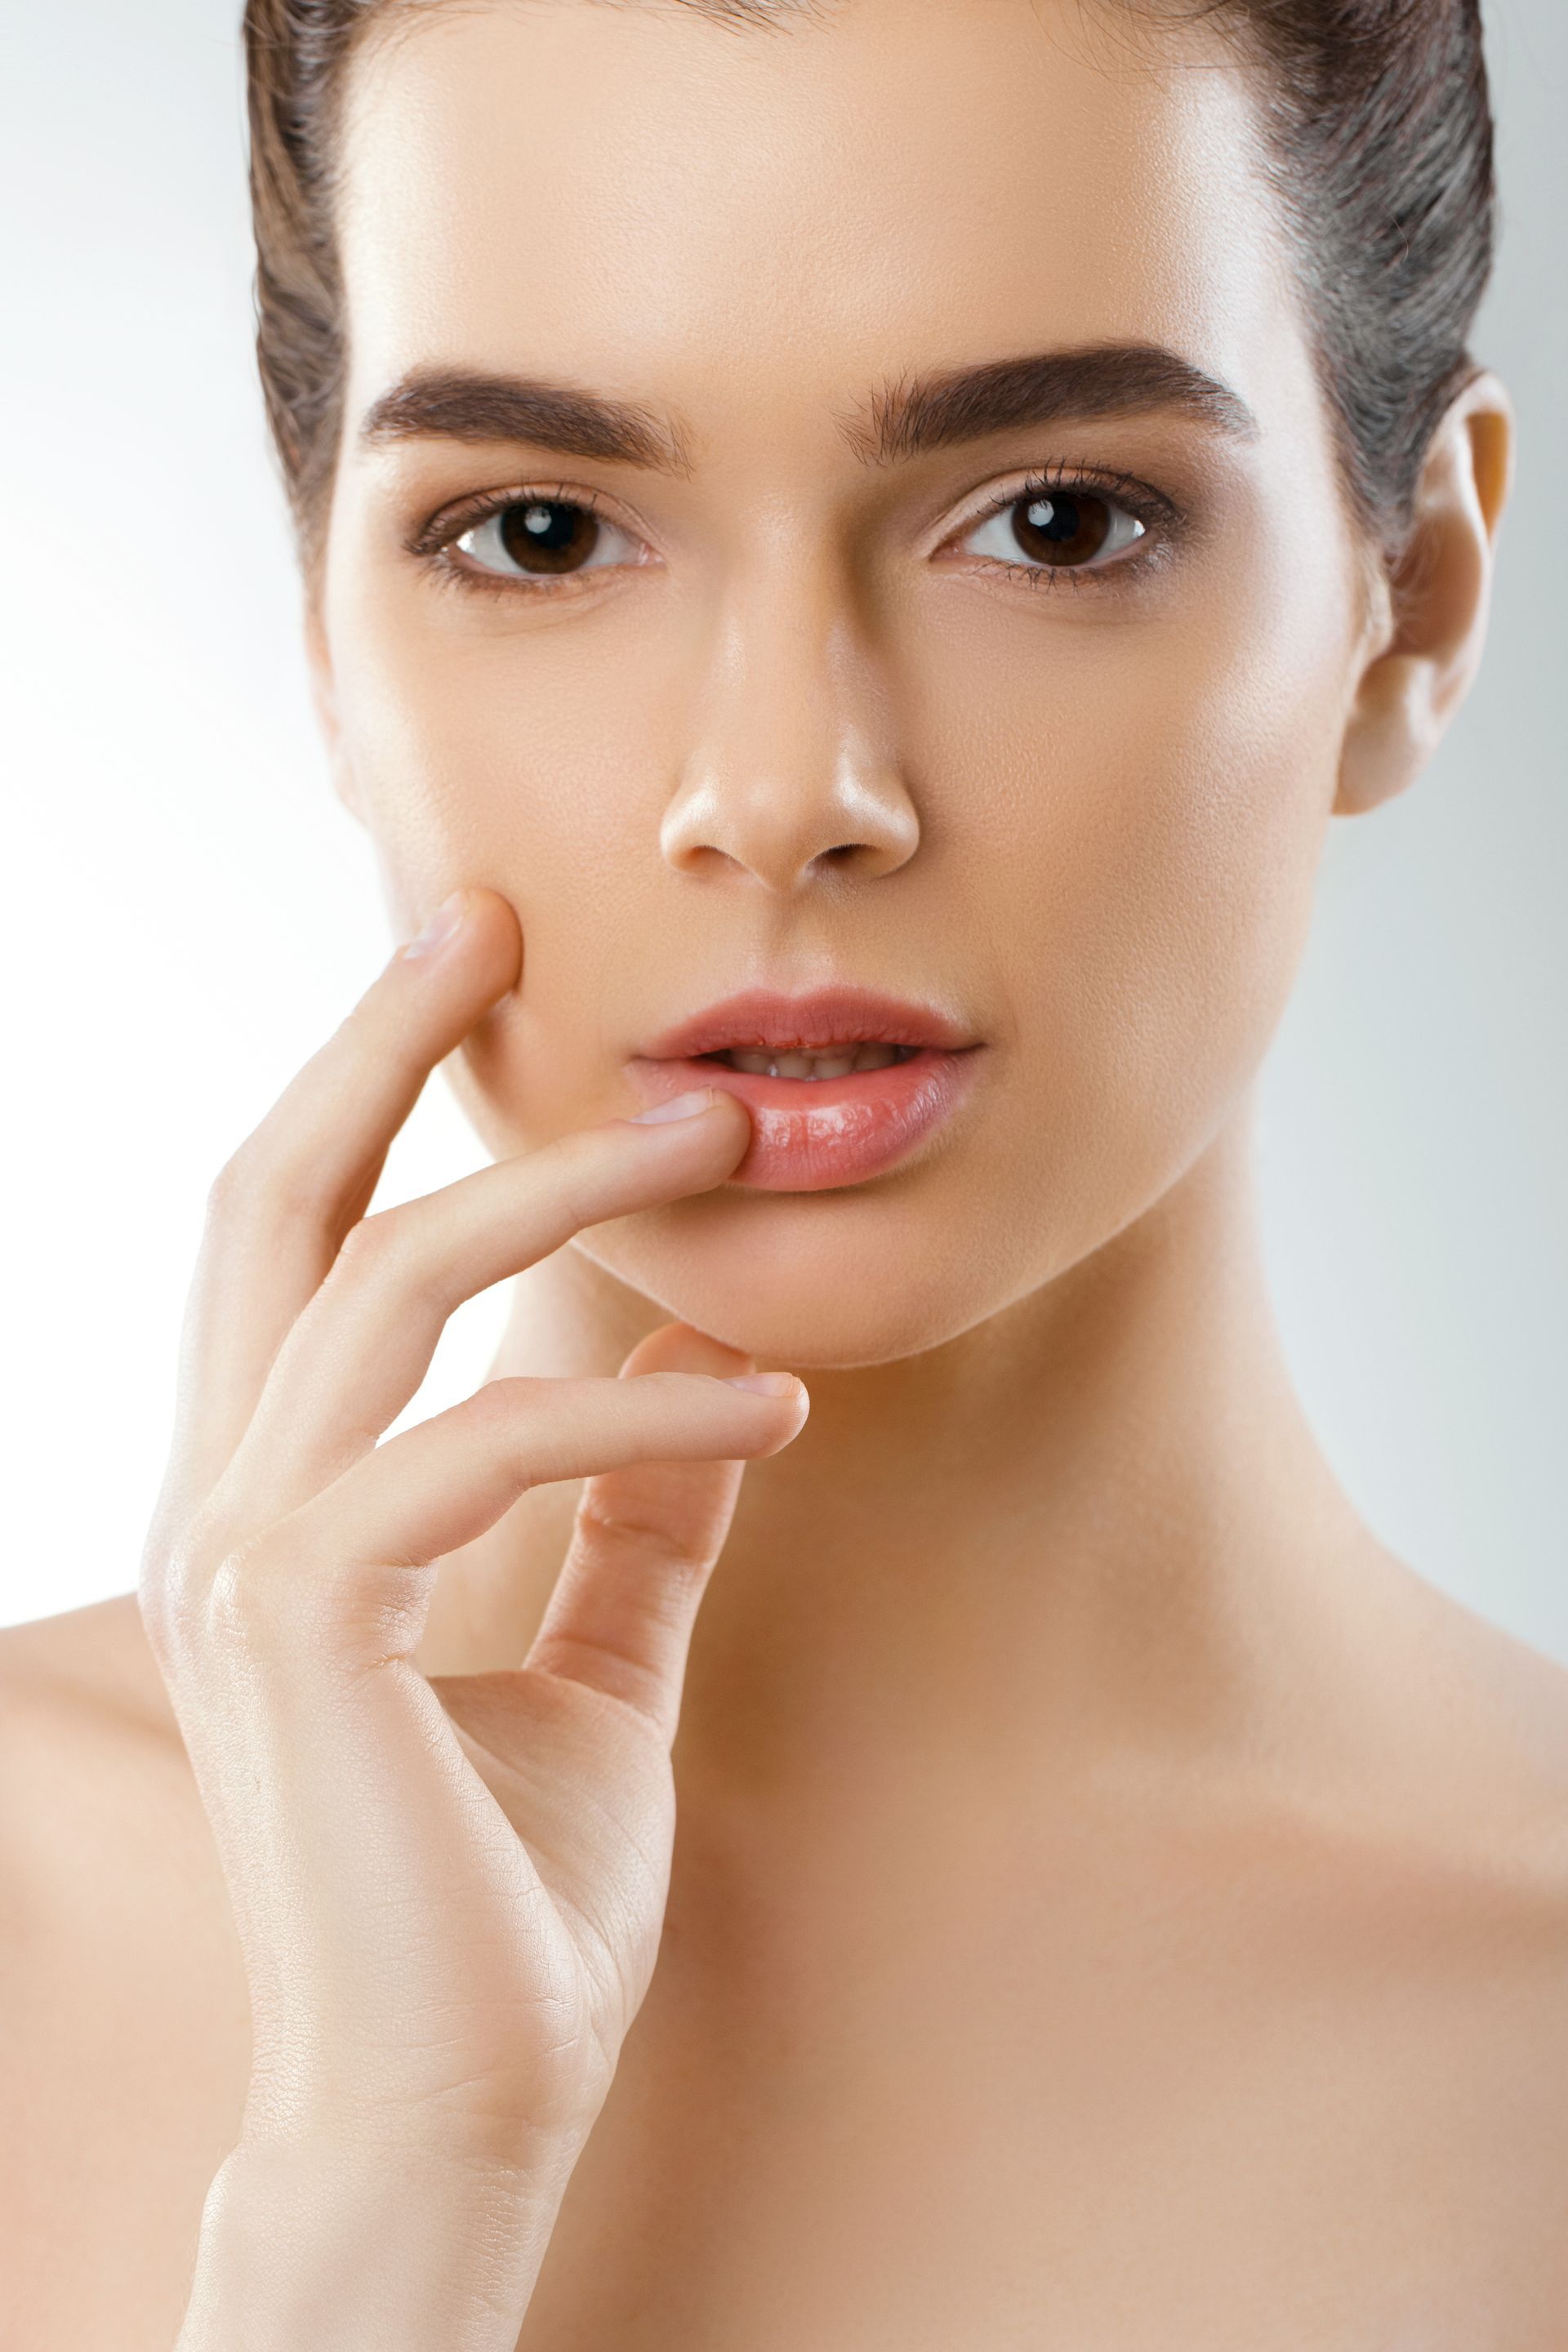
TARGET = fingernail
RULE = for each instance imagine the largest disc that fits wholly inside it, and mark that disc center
(682, 1107)
(766, 1383)
(447, 918)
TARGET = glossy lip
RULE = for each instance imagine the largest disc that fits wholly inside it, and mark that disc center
(810, 1134)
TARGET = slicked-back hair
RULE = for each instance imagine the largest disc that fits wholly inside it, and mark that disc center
(1377, 142)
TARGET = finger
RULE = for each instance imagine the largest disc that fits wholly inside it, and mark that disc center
(278, 1209)
(643, 1545)
(361, 1347)
(347, 1576)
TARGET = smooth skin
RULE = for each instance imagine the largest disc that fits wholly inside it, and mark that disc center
(1114, 1902)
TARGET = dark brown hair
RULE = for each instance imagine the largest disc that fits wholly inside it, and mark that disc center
(1378, 141)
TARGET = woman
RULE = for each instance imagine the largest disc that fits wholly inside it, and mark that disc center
(852, 553)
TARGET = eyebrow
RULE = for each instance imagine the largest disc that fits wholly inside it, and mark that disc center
(1096, 381)
(466, 404)
(901, 421)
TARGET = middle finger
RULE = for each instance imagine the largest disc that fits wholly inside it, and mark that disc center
(358, 1352)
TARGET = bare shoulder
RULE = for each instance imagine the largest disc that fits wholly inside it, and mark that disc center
(1453, 1799)
(89, 1745)
(104, 1847)
(1498, 1711)
(122, 2017)
(95, 1658)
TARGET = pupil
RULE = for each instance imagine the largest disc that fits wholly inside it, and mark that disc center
(548, 535)
(1060, 530)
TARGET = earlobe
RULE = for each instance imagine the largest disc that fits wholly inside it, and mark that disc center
(1438, 600)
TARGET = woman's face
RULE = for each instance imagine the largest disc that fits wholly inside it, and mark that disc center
(981, 738)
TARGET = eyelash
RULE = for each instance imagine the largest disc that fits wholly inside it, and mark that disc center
(434, 541)
(1163, 522)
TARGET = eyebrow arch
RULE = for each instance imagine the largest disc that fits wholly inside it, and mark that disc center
(1097, 380)
(468, 405)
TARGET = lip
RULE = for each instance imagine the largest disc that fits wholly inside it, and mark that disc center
(809, 1134)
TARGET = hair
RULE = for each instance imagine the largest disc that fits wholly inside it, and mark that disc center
(1377, 142)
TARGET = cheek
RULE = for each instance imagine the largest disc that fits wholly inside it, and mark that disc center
(1141, 814)
(463, 772)
(480, 760)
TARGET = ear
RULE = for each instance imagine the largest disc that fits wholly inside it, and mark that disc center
(324, 699)
(1436, 604)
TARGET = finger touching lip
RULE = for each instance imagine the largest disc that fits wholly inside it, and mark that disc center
(840, 1086)
(811, 1136)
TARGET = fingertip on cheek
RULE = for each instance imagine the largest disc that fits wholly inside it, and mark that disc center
(439, 930)
(458, 940)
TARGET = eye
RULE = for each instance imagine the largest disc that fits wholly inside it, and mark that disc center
(1055, 527)
(539, 539)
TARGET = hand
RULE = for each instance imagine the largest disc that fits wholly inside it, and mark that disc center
(448, 1897)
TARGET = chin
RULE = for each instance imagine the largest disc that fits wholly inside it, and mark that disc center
(830, 1280)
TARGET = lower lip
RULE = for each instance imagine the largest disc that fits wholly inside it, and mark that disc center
(811, 1134)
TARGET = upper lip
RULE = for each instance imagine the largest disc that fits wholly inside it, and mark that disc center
(759, 1020)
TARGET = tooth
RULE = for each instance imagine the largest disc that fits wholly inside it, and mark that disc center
(792, 1065)
(875, 1058)
(759, 1066)
(834, 1065)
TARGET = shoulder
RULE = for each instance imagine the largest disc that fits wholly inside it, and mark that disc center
(100, 1826)
(85, 1729)
(123, 2028)
(1412, 1811)
(96, 1657)
(1497, 1712)
(1452, 1795)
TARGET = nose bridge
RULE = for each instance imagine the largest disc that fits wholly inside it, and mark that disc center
(788, 772)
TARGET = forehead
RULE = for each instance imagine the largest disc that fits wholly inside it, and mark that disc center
(752, 221)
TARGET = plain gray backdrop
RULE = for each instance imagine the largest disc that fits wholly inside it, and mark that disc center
(189, 911)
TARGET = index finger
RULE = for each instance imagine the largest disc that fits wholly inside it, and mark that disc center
(280, 1207)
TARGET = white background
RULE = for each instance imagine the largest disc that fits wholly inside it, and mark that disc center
(187, 911)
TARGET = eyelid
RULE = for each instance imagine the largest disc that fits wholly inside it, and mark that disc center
(448, 524)
(1151, 507)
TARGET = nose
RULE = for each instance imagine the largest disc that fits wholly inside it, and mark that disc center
(787, 780)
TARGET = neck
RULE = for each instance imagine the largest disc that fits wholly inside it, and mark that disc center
(1098, 1518)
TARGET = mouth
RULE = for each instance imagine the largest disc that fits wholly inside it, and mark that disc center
(842, 1085)
(811, 1064)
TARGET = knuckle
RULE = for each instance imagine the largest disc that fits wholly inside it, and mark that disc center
(173, 1594)
(234, 1187)
(255, 1181)
(372, 1037)
(381, 1258)
(165, 1611)
(502, 1411)
(498, 1403)
(677, 1555)
(384, 1252)
(568, 1172)
(240, 1601)
(369, 1028)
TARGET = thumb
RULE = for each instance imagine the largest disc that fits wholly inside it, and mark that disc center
(643, 1547)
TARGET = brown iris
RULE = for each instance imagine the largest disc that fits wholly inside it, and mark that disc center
(548, 534)
(1061, 526)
